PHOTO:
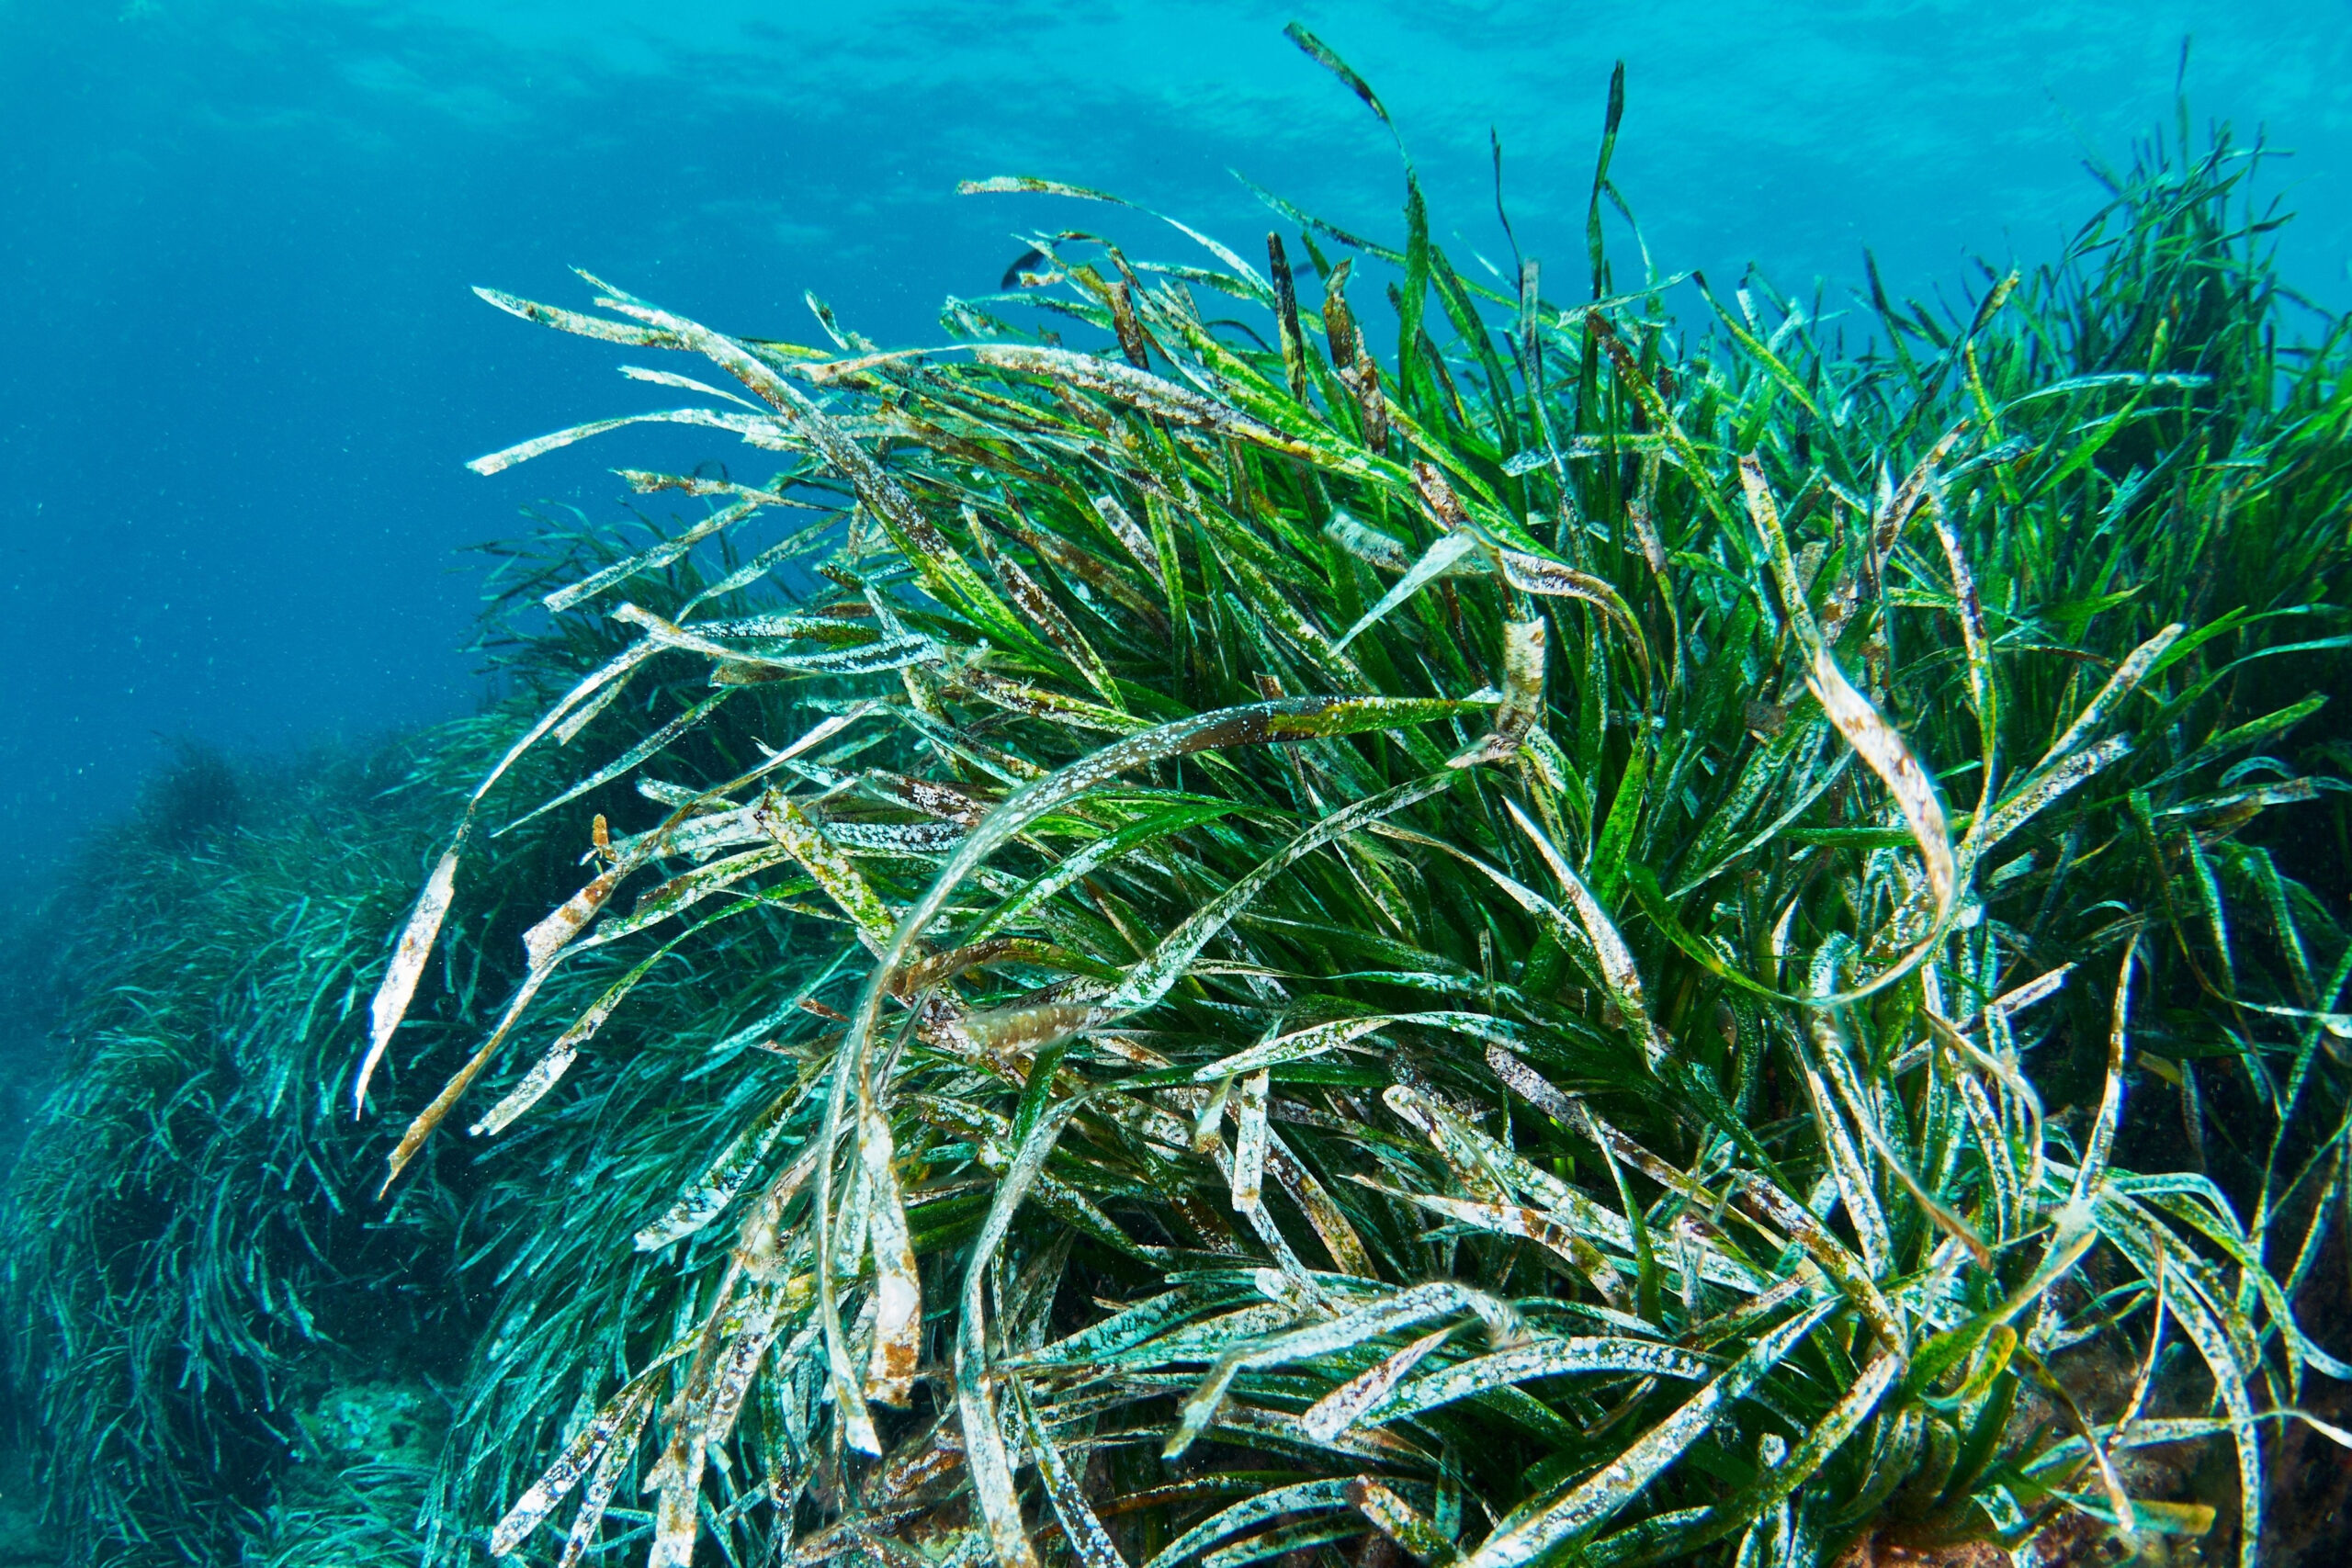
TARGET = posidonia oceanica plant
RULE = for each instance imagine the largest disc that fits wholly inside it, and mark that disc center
(1531, 949)
(191, 1251)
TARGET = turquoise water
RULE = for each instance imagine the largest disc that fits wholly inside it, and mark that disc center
(244, 366)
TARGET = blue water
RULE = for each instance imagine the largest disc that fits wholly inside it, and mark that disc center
(242, 365)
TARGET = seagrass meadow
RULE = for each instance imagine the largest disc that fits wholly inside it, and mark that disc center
(1660, 924)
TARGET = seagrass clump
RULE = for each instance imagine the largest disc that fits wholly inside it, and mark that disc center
(191, 1260)
(1526, 949)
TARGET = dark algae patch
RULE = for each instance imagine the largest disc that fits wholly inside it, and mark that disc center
(192, 1263)
(1654, 925)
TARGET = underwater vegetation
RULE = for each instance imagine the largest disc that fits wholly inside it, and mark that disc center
(194, 1261)
(194, 796)
(1588, 937)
